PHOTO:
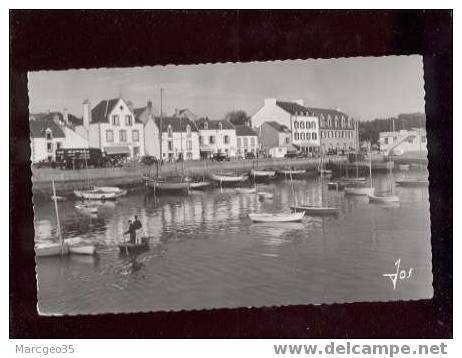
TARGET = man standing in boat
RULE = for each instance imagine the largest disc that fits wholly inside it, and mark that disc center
(136, 226)
(132, 231)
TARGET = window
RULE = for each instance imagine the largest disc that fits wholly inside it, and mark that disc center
(287, 140)
(128, 120)
(302, 125)
(239, 142)
(49, 147)
(188, 130)
(135, 136)
(200, 140)
(308, 136)
(386, 140)
(49, 134)
(246, 142)
(115, 120)
(122, 135)
(226, 139)
(296, 125)
(169, 131)
(189, 144)
(109, 136)
(170, 145)
(313, 125)
(189, 155)
(296, 136)
(252, 142)
(212, 139)
(136, 151)
(58, 145)
(314, 136)
(302, 136)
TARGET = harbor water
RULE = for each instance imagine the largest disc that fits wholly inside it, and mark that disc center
(205, 253)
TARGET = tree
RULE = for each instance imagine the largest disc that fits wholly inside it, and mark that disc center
(238, 117)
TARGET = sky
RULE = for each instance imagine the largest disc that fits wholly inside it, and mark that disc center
(363, 87)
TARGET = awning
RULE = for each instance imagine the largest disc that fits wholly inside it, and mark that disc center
(205, 148)
(117, 150)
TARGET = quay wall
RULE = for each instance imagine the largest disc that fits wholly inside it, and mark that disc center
(131, 176)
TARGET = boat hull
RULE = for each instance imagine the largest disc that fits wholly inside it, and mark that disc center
(228, 178)
(262, 174)
(83, 250)
(129, 248)
(316, 210)
(246, 190)
(265, 195)
(87, 208)
(383, 199)
(200, 185)
(97, 195)
(172, 186)
(48, 250)
(276, 218)
(359, 191)
(412, 182)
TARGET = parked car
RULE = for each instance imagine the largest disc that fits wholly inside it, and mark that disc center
(220, 157)
(148, 160)
(250, 155)
(291, 155)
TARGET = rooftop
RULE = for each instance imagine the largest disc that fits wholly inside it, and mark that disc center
(213, 124)
(38, 128)
(278, 127)
(245, 131)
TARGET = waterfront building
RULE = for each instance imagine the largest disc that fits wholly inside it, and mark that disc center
(247, 141)
(403, 142)
(216, 136)
(179, 139)
(275, 139)
(51, 131)
(337, 130)
(302, 123)
(112, 127)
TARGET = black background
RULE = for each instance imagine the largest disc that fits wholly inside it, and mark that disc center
(88, 39)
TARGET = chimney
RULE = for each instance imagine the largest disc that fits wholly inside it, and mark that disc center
(270, 101)
(65, 116)
(299, 101)
(86, 114)
(176, 112)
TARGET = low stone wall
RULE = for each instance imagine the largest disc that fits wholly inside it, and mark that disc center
(131, 176)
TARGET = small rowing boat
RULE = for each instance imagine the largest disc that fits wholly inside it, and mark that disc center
(51, 249)
(404, 167)
(359, 191)
(95, 194)
(383, 199)
(278, 217)
(87, 208)
(58, 198)
(83, 249)
(316, 210)
(172, 186)
(292, 172)
(412, 182)
(262, 174)
(246, 190)
(228, 178)
(199, 185)
(128, 248)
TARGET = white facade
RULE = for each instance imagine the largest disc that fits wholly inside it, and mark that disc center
(218, 141)
(180, 144)
(151, 138)
(120, 131)
(403, 141)
(277, 152)
(246, 144)
(304, 128)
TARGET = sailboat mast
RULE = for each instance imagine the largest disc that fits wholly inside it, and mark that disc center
(57, 215)
(160, 126)
(370, 166)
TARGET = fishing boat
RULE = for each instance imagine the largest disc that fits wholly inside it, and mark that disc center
(228, 178)
(412, 182)
(246, 190)
(128, 248)
(277, 217)
(265, 195)
(293, 172)
(87, 208)
(316, 210)
(262, 174)
(199, 185)
(172, 185)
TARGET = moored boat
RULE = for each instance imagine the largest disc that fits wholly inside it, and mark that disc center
(359, 191)
(335, 185)
(404, 167)
(262, 174)
(316, 210)
(127, 248)
(83, 249)
(246, 190)
(95, 194)
(58, 198)
(172, 186)
(228, 178)
(87, 208)
(292, 172)
(412, 182)
(265, 195)
(383, 198)
(51, 249)
(277, 217)
(199, 185)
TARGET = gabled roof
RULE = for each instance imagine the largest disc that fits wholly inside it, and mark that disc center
(99, 113)
(278, 127)
(178, 124)
(213, 124)
(245, 131)
(295, 108)
(38, 128)
(73, 120)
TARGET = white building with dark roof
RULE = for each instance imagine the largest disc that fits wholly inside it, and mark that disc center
(216, 136)
(303, 124)
(275, 139)
(112, 127)
(247, 141)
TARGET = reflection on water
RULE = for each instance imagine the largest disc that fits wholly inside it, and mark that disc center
(205, 252)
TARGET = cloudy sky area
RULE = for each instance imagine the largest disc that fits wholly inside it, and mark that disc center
(366, 88)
